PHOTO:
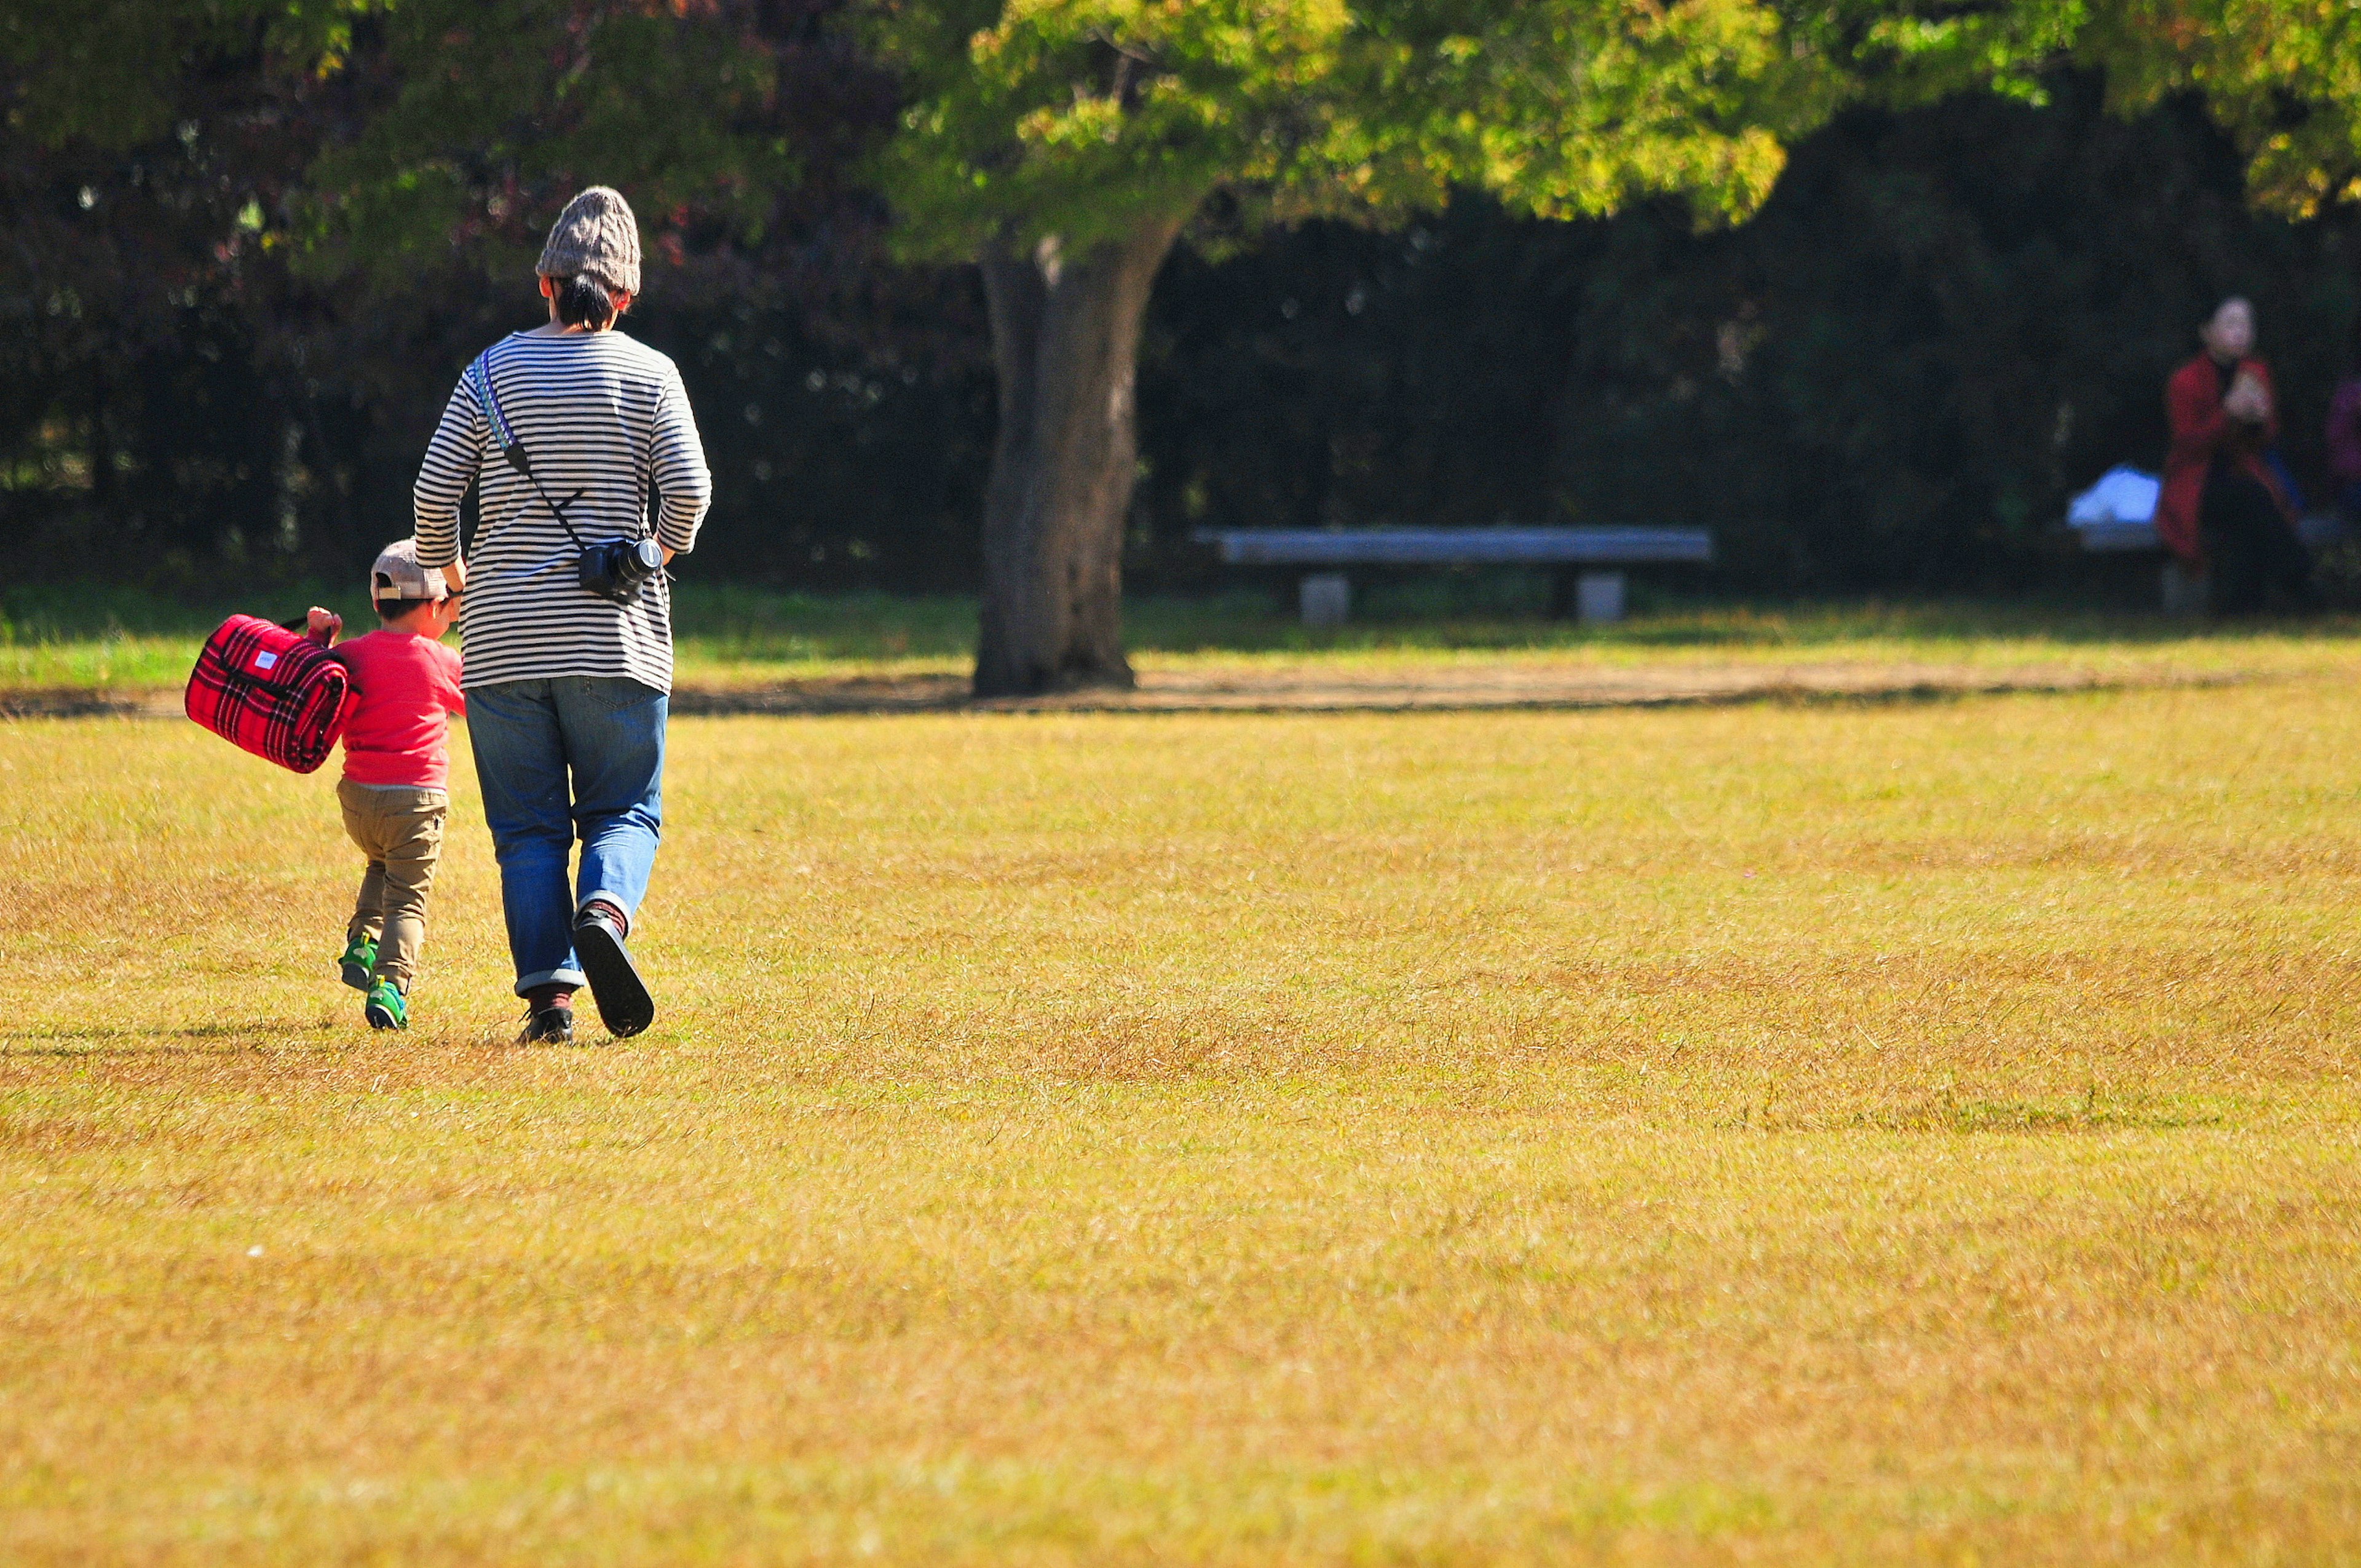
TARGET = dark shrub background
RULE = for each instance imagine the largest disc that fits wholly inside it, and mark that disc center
(1944, 323)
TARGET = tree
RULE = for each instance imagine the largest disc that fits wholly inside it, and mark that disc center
(143, 143)
(2283, 77)
(314, 194)
(1065, 145)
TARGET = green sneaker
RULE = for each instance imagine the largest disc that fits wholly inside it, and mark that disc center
(388, 1008)
(358, 960)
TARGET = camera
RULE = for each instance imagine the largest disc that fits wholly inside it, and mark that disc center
(620, 568)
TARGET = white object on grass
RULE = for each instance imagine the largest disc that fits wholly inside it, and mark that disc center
(2123, 494)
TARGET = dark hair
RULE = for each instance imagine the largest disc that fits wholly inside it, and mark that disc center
(2226, 302)
(392, 610)
(583, 300)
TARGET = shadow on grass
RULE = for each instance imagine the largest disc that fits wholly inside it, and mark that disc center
(1988, 1117)
(1444, 611)
(735, 625)
(227, 1039)
(826, 696)
(258, 1039)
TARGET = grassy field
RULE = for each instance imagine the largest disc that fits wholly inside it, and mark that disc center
(1913, 1133)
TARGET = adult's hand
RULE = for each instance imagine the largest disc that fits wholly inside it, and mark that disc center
(2247, 400)
(317, 622)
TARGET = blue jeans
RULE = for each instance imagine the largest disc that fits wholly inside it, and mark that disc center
(607, 734)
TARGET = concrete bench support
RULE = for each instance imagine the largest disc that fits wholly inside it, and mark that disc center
(1598, 598)
(1327, 598)
(2184, 590)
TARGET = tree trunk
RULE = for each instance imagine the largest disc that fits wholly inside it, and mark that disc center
(1065, 339)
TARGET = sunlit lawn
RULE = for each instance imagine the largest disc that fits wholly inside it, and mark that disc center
(1921, 1132)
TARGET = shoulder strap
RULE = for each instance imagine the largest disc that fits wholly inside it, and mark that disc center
(478, 380)
(479, 377)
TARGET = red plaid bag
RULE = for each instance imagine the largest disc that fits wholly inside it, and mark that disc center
(273, 692)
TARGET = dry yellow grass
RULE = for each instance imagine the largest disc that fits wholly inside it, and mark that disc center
(1917, 1132)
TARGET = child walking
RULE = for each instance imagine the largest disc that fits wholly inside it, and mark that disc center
(396, 788)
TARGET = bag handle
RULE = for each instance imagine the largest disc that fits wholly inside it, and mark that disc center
(302, 624)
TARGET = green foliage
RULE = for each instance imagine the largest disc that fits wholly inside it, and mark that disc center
(1908, 53)
(443, 126)
(114, 73)
(1088, 118)
(2282, 76)
(461, 120)
(492, 113)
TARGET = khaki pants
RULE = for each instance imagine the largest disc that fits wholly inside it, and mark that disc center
(401, 831)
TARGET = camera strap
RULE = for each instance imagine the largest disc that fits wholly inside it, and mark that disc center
(478, 378)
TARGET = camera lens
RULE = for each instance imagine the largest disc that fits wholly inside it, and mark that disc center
(620, 568)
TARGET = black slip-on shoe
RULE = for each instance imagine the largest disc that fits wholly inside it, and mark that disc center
(624, 1005)
(547, 1027)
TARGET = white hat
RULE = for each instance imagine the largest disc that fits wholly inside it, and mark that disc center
(398, 575)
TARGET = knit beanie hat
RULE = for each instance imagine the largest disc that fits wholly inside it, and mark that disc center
(595, 237)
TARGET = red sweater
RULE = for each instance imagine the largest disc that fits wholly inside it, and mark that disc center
(399, 730)
(2192, 407)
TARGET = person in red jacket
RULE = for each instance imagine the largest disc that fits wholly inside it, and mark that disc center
(2223, 508)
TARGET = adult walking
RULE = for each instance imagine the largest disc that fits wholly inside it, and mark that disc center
(2223, 508)
(570, 431)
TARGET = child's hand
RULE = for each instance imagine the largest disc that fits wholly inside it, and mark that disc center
(318, 622)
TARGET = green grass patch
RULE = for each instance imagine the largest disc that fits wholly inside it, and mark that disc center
(105, 639)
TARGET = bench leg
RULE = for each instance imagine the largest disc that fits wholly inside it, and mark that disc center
(2184, 590)
(1327, 598)
(1598, 598)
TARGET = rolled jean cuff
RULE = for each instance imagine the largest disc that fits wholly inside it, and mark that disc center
(617, 899)
(573, 977)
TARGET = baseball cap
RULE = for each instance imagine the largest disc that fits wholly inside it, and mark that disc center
(398, 575)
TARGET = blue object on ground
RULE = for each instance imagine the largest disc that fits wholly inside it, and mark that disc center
(2123, 494)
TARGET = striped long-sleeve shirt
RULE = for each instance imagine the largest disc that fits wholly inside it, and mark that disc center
(601, 414)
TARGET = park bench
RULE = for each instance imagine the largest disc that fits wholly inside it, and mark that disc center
(2182, 591)
(1589, 561)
